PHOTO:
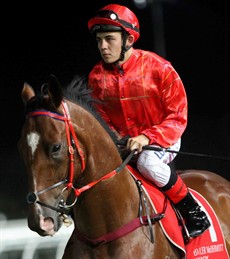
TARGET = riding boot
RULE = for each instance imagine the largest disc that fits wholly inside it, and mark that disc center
(196, 220)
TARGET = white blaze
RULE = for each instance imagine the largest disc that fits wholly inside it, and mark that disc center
(32, 141)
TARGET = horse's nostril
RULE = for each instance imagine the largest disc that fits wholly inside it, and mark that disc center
(31, 197)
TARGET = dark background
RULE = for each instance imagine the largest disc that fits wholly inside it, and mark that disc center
(39, 40)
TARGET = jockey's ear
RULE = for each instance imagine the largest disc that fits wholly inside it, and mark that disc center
(129, 41)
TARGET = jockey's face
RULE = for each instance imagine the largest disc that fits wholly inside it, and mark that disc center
(109, 45)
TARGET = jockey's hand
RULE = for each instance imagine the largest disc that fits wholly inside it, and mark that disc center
(137, 143)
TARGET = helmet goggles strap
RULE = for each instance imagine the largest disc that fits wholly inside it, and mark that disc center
(108, 14)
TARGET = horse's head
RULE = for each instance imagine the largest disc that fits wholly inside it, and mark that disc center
(47, 147)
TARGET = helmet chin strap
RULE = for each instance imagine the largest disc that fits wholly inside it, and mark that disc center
(123, 48)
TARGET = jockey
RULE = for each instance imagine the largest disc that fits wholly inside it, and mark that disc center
(141, 95)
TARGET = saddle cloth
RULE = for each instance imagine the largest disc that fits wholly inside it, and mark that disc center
(210, 245)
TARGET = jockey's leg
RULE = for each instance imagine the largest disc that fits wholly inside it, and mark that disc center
(154, 166)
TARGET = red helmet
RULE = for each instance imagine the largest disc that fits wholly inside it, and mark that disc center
(113, 17)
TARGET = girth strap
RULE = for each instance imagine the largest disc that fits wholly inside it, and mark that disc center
(129, 227)
(118, 233)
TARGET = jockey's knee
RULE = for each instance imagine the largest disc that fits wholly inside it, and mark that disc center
(153, 169)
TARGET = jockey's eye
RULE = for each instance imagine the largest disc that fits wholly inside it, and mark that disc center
(56, 148)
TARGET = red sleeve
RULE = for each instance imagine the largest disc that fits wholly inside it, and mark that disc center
(174, 101)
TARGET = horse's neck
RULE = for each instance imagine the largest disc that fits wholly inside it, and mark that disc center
(101, 153)
(107, 206)
(99, 209)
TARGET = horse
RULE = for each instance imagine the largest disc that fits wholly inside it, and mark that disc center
(76, 172)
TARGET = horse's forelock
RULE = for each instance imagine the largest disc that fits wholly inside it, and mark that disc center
(39, 101)
(34, 103)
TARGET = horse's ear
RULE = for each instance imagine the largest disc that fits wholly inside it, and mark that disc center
(55, 91)
(27, 93)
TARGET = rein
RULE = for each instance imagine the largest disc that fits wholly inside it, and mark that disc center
(122, 143)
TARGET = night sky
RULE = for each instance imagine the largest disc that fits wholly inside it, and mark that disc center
(40, 40)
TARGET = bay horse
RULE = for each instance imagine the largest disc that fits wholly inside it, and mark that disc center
(75, 171)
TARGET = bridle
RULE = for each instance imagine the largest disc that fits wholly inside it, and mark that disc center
(64, 208)
(71, 135)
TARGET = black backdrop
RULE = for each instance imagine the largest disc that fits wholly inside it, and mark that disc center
(39, 40)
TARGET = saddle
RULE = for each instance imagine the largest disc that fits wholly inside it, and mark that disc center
(211, 244)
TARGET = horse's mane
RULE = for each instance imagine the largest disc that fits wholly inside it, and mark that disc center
(79, 92)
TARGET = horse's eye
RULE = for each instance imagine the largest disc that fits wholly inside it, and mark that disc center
(56, 148)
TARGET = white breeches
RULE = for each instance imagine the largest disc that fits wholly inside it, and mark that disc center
(153, 164)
